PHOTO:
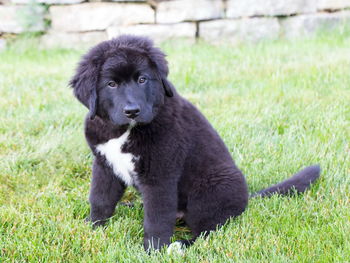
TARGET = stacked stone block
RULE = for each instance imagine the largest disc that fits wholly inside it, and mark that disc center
(77, 22)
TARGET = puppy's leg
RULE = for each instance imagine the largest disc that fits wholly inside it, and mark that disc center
(106, 190)
(160, 206)
(212, 205)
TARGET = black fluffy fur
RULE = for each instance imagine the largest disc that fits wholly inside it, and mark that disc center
(183, 164)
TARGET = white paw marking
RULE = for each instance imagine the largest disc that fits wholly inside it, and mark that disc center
(122, 163)
(175, 248)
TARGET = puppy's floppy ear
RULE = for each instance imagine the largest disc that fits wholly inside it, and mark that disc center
(168, 87)
(86, 79)
(157, 58)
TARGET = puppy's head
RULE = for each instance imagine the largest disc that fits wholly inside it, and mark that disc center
(123, 80)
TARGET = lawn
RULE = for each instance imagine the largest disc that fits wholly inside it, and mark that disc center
(279, 106)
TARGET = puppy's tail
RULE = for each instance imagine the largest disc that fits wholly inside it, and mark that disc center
(299, 183)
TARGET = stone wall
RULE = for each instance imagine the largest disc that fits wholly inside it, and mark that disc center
(78, 22)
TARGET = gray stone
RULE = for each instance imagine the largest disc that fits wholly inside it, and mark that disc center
(18, 19)
(32, 17)
(332, 4)
(308, 24)
(157, 32)
(98, 16)
(72, 40)
(238, 30)
(189, 10)
(9, 22)
(49, 2)
(248, 8)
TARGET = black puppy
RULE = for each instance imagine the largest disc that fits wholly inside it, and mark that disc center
(144, 134)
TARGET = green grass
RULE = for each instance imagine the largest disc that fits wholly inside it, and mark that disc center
(279, 106)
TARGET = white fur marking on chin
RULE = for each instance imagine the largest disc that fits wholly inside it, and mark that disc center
(122, 163)
(176, 248)
(132, 124)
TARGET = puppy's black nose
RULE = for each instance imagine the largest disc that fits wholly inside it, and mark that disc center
(132, 111)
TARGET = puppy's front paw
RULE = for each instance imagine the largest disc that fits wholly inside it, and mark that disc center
(95, 223)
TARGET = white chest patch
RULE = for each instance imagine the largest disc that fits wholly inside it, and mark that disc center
(122, 163)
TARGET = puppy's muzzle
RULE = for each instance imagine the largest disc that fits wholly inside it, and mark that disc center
(131, 111)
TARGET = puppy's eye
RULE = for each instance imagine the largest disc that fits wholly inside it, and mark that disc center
(112, 84)
(142, 79)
